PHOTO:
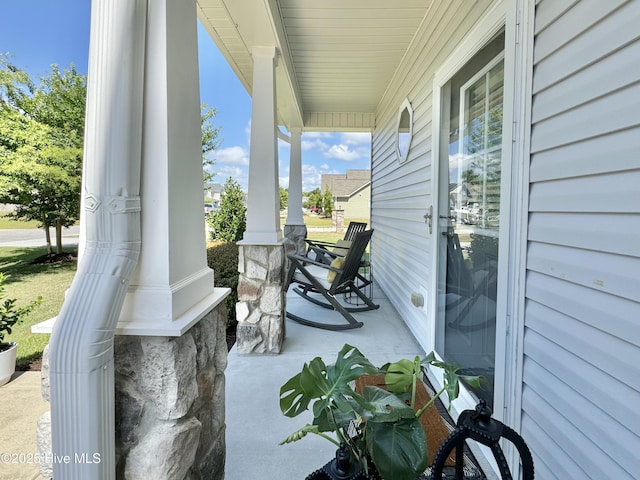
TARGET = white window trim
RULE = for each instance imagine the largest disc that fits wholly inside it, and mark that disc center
(403, 157)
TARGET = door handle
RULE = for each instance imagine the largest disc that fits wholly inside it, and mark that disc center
(428, 218)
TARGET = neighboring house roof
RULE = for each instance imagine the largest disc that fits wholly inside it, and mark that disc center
(346, 184)
(214, 187)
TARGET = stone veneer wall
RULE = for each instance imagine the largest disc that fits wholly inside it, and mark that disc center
(294, 240)
(170, 411)
(337, 220)
(261, 300)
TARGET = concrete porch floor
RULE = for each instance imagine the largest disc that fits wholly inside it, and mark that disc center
(254, 422)
(255, 425)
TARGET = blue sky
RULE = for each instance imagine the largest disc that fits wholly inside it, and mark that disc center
(38, 33)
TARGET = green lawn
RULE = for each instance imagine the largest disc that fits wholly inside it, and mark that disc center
(320, 221)
(313, 220)
(26, 282)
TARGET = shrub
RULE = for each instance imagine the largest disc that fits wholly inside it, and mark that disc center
(10, 314)
(223, 259)
(230, 220)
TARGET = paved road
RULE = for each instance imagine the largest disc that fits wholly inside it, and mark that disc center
(34, 237)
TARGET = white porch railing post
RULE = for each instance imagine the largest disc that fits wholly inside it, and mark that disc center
(81, 347)
(263, 197)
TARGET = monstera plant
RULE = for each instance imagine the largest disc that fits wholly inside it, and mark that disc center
(385, 433)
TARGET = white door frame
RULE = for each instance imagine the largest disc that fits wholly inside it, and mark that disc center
(517, 20)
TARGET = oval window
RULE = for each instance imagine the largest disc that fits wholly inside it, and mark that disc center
(405, 130)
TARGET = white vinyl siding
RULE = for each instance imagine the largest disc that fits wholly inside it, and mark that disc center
(581, 374)
(401, 195)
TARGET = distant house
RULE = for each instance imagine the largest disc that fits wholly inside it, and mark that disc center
(351, 192)
(213, 192)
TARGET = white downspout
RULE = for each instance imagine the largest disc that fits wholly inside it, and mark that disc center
(81, 347)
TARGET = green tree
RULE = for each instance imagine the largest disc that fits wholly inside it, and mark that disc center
(314, 198)
(284, 198)
(327, 203)
(230, 220)
(41, 138)
(210, 139)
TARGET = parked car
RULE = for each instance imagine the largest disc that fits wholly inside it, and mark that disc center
(208, 208)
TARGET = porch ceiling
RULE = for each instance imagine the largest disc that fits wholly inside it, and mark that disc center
(337, 56)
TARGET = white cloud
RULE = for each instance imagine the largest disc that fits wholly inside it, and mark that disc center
(314, 144)
(355, 138)
(316, 135)
(223, 171)
(311, 176)
(231, 156)
(313, 140)
(231, 162)
(342, 152)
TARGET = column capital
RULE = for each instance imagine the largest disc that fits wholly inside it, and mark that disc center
(264, 51)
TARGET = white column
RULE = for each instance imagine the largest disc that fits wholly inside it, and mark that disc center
(172, 287)
(263, 197)
(294, 208)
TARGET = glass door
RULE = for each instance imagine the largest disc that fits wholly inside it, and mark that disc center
(468, 226)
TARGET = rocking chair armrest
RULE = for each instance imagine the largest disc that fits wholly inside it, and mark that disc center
(307, 261)
(304, 260)
(324, 251)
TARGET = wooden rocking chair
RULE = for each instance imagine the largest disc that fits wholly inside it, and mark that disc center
(314, 277)
(317, 250)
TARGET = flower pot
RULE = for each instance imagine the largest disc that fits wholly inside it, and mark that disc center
(7, 361)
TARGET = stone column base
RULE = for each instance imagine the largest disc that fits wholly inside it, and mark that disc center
(294, 239)
(261, 307)
(170, 410)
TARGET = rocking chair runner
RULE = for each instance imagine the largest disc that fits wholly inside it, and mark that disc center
(339, 277)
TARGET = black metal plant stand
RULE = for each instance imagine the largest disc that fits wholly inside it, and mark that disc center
(340, 468)
(479, 426)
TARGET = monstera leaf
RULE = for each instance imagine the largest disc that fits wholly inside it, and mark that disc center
(328, 387)
(394, 437)
(452, 377)
(398, 449)
(388, 407)
(400, 375)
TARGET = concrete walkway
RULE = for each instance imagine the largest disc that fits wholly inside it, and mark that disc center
(22, 406)
(34, 237)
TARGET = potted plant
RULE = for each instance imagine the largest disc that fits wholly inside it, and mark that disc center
(10, 315)
(386, 434)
